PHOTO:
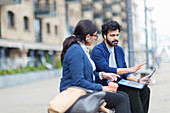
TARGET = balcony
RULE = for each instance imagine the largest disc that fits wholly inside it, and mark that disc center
(115, 1)
(107, 10)
(0, 30)
(72, 0)
(8, 2)
(98, 14)
(97, 0)
(107, 7)
(87, 7)
(45, 9)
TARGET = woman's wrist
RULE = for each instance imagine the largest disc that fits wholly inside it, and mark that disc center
(101, 76)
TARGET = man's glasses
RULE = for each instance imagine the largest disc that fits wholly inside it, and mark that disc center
(96, 36)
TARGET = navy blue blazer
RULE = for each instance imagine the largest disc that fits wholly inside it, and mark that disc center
(100, 56)
(77, 70)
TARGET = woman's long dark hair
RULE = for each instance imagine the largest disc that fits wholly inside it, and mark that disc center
(82, 29)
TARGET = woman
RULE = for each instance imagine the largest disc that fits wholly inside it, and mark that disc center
(79, 69)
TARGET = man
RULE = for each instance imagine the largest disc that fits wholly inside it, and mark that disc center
(109, 57)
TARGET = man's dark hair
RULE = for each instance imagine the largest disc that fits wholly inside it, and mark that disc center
(110, 25)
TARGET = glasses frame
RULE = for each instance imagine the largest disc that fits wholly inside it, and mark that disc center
(96, 36)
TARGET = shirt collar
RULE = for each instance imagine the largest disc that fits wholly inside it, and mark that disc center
(110, 49)
(84, 47)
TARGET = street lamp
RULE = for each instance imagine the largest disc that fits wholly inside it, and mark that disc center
(131, 55)
(146, 35)
(150, 9)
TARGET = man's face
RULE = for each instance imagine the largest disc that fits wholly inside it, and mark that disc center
(112, 38)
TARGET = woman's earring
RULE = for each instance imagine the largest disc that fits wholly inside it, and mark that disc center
(87, 39)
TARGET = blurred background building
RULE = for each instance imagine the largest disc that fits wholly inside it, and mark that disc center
(32, 30)
(99, 11)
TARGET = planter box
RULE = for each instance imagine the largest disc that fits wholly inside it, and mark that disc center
(22, 78)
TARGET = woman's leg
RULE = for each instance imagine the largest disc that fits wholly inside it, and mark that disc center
(119, 101)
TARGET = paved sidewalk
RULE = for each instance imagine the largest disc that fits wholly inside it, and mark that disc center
(160, 93)
(28, 98)
(35, 97)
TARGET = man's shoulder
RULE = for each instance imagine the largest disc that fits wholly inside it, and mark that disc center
(99, 46)
(119, 47)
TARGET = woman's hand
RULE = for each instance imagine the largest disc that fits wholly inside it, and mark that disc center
(144, 79)
(105, 88)
(110, 76)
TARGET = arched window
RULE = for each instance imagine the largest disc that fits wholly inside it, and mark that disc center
(48, 28)
(56, 30)
(26, 23)
(11, 21)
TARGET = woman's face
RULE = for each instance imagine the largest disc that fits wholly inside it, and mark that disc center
(91, 38)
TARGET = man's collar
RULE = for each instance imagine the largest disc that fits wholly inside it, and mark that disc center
(105, 47)
(110, 49)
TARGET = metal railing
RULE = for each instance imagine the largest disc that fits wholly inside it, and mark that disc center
(45, 8)
(98, 14)
(87, 7)
(10, 63)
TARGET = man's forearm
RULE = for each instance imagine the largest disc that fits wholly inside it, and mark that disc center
(132, 78)
(122, 71)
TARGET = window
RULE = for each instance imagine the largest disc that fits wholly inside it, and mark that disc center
(10, 19)
(48, 28)
(56, 30)
(26, 23)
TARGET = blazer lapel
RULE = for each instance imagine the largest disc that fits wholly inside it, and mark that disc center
(116, 56)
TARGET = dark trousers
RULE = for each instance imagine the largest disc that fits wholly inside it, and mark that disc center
(119, 101)
(139, 98)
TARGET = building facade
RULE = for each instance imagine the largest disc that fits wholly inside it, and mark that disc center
(98, 11)
(30, 30)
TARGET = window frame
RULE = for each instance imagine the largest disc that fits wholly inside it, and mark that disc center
(26, 23)
(56, 30)
(11, 19)
(48, 28)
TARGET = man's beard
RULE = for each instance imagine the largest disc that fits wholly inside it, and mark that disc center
(112, 43)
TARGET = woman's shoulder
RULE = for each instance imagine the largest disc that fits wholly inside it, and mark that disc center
(75, 45)
(75, 48)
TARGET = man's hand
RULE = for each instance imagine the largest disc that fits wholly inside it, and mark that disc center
(137, 67)
(144, 79)
(110, 76)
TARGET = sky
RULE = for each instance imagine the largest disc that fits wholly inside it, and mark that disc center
(159, 15)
